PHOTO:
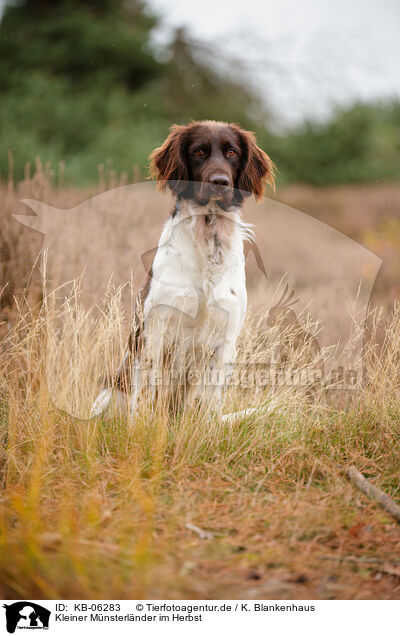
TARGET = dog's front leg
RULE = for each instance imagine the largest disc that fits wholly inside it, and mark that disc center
(225, 351)
(136, 389)
(150, 385)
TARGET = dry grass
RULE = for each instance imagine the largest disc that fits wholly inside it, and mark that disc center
(99, 509)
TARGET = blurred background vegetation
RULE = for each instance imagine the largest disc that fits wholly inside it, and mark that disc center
(82, 81)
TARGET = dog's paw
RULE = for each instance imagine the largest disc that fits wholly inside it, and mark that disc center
(101, 403)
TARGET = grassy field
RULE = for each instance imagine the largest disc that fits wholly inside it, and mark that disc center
(189, 507)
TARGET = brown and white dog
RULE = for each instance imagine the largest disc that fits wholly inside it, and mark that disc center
(192, 307)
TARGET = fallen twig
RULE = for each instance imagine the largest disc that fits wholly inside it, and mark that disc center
(202, 534)
(380, 565)
(360, 560)
(257, 410)
(373, 492)
(388, 570)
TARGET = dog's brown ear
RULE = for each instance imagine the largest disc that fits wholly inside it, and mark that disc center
(168, 162)
(257, 170)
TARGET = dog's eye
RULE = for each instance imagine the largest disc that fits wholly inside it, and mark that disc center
(231, 152)
(199, 152)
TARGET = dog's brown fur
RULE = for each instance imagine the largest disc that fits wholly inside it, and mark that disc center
(249, 171)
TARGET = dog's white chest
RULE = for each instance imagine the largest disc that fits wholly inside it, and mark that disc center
(198, 273)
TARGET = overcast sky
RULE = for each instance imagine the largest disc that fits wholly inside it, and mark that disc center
(306, 55)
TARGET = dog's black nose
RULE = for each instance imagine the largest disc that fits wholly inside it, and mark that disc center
(219, 180)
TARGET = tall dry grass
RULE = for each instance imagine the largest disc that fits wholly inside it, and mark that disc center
(99, 509)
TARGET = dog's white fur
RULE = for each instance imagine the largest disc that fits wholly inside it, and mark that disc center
(196, 304)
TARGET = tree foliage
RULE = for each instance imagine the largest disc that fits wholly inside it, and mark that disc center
(359, 143)
(82, 81)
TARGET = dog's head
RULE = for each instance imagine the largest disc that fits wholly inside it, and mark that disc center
(212, 160)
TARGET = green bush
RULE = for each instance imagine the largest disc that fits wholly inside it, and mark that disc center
(359, 143)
